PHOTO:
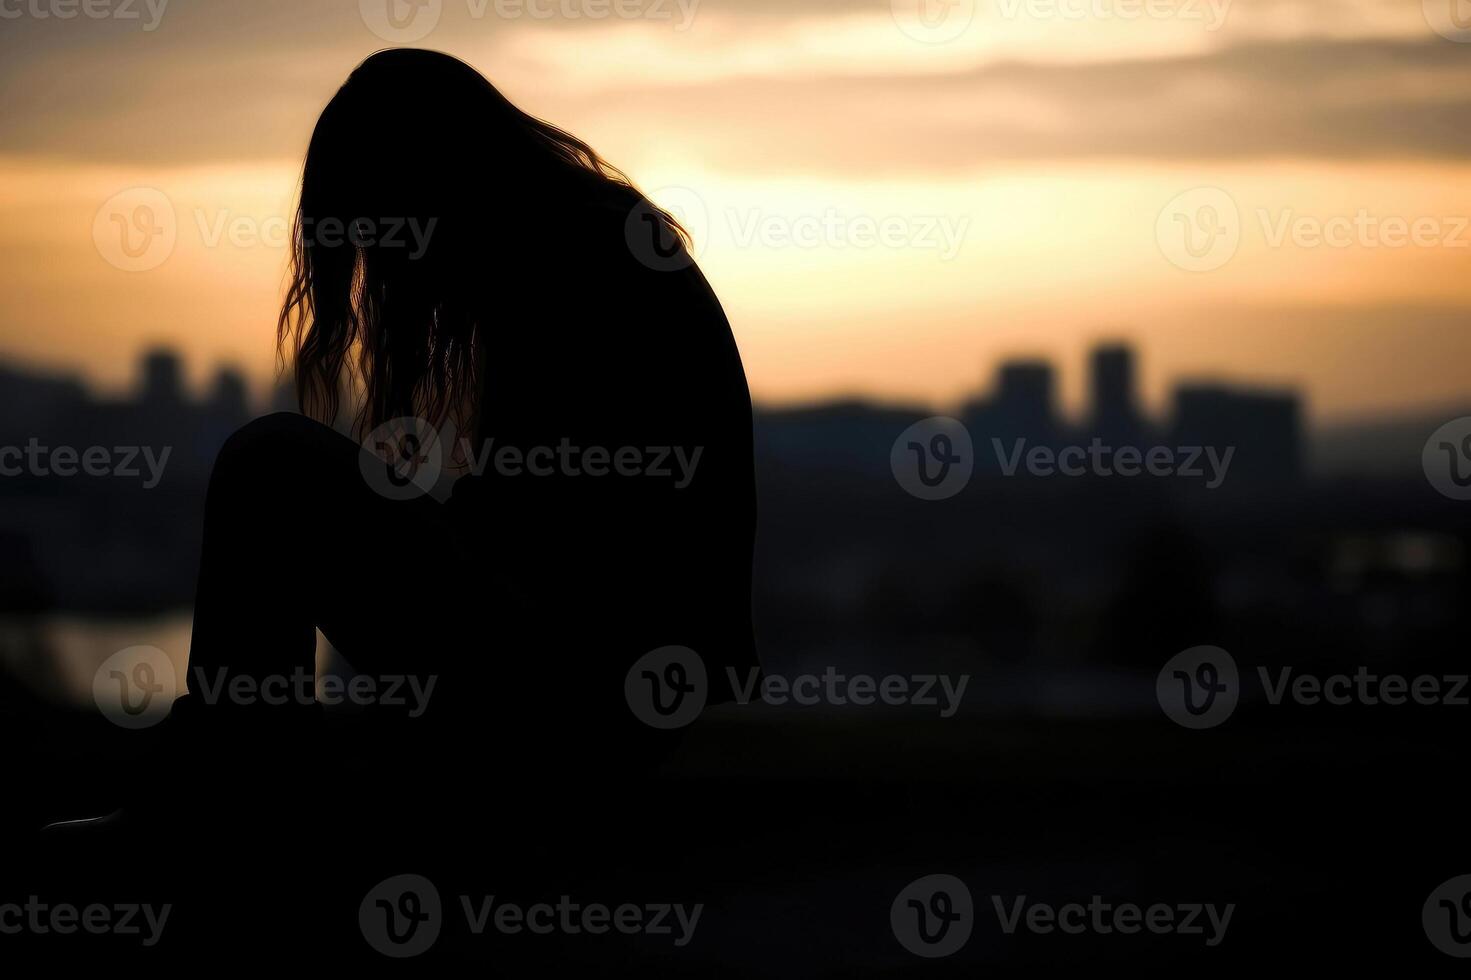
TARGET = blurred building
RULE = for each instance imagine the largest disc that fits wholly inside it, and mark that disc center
(163, 379)
(1264, 428)
(1115, 414)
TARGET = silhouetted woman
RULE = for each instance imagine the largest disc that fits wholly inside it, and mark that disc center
(462, 264)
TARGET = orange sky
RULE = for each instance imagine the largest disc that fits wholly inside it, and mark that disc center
(886, 204)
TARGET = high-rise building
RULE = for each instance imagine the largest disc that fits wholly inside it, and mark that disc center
(1111, 377)
(1264, 429)
(229, 397)
(1024, 398)
(163, 378)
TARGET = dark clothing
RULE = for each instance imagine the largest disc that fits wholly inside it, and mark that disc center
(532, 591)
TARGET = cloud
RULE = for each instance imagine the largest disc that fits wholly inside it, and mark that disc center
(831, 88)
(1314, 99)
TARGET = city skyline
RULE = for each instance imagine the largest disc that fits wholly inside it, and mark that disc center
(160, 374)
(1037, 172)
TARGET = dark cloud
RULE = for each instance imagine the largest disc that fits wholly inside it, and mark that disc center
(161, 99)
(1359, 99)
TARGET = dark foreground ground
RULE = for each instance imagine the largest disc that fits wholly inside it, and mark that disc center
(1327, 830)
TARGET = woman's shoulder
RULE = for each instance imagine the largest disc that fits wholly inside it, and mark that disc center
(627, 260)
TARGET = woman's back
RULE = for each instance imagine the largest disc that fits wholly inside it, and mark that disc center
(613, 476)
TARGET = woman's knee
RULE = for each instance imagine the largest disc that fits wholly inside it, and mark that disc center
(273, 450)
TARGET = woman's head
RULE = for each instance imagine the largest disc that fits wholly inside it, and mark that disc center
(420, 180)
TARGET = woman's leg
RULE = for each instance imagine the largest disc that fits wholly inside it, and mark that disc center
(296, 539)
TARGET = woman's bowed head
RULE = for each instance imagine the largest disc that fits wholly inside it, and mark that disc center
(425, 196)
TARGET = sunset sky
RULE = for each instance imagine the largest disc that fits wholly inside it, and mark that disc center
(1028, 162)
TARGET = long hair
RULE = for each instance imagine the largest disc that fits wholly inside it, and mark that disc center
(422, 182)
